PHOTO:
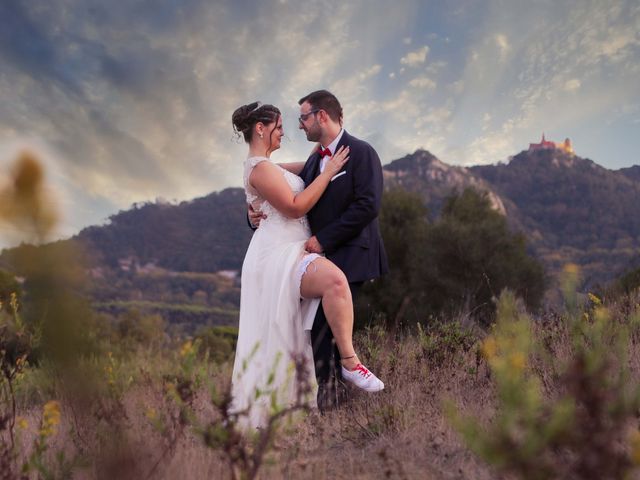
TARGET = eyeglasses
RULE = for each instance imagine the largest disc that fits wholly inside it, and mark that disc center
(303, 117)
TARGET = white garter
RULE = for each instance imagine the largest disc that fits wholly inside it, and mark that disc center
(302, 267)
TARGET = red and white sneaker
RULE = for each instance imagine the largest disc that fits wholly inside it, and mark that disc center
(362, 378)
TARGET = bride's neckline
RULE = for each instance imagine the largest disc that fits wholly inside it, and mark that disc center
(258, 156)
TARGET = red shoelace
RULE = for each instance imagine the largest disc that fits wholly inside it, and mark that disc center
(362, 370)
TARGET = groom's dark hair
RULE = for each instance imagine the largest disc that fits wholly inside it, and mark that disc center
(324, 100)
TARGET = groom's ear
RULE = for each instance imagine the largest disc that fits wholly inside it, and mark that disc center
(323, 116)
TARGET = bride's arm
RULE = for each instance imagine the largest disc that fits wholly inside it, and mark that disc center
(272, 186)
(293, 167)
(296, 167)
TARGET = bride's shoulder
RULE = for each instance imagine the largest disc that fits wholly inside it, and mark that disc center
(253, 161)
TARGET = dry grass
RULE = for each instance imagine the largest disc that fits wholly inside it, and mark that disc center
(400, 433)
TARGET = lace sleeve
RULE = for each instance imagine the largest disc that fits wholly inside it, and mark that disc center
(250, 192)
(253, 161)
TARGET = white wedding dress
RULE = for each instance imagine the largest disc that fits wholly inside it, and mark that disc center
(275, 322)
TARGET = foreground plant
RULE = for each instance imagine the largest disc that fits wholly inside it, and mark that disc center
(15, 346)
(581, 429)
(38, 460)
(227, 431)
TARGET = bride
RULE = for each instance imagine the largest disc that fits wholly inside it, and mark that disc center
(281, 283)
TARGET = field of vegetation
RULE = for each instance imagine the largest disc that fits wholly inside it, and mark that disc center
(476, 386)
(551, 397)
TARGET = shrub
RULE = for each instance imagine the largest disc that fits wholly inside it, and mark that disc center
(581, 430)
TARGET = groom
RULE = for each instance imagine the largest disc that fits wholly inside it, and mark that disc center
(344, 222)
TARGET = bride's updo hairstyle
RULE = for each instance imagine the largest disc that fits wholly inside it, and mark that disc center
(246, 116)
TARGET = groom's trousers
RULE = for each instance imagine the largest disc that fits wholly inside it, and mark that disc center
(331, 389)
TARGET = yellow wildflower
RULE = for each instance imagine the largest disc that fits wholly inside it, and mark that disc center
(594, 299)
(50, 418)
(518, 361)
(186, 349)
(21, 363)
(108, 369)
(602, 314)
(22, 423)
(170, 387)
(571, 268)
(490, 348)
(151, 414)
(634, 440)
(14, 302)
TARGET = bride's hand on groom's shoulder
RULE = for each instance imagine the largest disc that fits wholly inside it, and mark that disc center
(337, 161)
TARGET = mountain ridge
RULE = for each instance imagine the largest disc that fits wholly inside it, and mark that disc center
(571, 209)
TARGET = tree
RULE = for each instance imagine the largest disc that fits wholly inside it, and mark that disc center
(461, 262)
(476, 257)
(403, 225)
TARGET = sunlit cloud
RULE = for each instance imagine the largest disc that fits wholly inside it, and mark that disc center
(503, 45)
(133, 101)
(415, 58)
(572, 85)
(423, 82)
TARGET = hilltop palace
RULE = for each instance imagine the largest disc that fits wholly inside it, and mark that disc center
(549, 145)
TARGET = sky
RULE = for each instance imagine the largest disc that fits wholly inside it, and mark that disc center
(131, 101)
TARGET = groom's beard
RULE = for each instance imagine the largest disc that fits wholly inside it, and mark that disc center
(313, 134)
(313, 137)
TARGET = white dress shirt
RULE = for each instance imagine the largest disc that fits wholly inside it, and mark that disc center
(332, 147)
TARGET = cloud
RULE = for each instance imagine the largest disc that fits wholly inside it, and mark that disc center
(416, 57)
(370, 72)
(488, 149)
(504, 48)
(423, 82)
(521, 67)
(350, 88)
(136, 112)
(434, 68)
(456, 87)
(486, 120)
(572, 85)
(133, 100)
(437, 117)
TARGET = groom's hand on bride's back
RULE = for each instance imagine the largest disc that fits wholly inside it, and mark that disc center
(254, 216)
(313, 245)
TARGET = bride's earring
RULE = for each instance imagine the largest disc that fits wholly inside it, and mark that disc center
(261, 136)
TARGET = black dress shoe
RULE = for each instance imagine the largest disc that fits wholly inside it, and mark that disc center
(332, 394)
(325, 399)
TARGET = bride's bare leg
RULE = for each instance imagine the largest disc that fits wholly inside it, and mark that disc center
(323, 279)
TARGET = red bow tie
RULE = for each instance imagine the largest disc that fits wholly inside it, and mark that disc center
(324, 152)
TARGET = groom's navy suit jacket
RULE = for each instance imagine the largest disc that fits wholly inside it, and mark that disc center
(345, 219)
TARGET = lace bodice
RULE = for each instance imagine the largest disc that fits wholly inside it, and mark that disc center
(253, 197)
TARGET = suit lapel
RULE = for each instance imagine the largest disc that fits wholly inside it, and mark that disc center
(313, 168)
(344, 140)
